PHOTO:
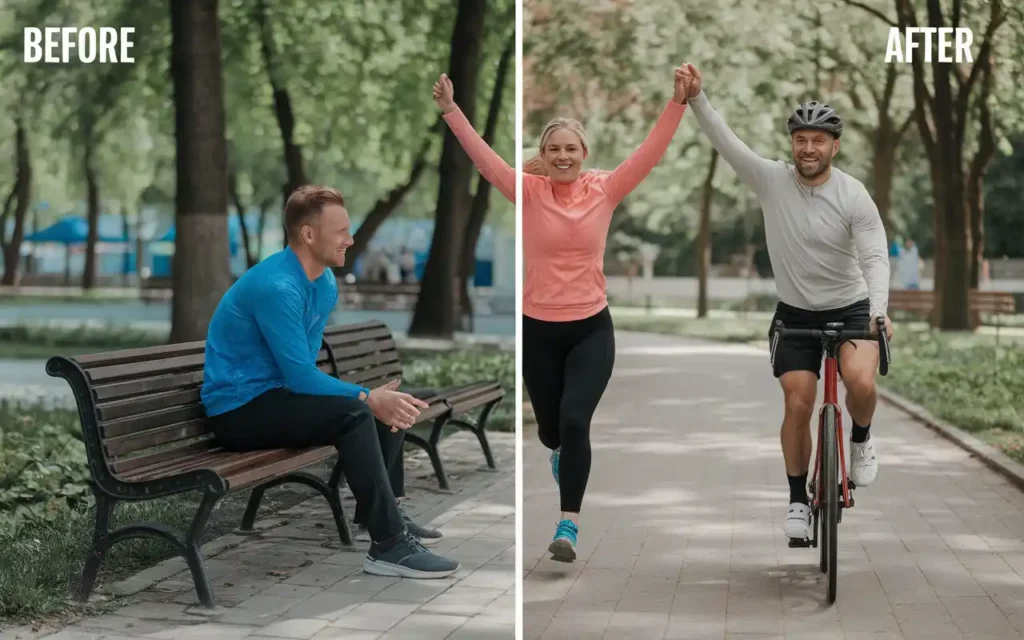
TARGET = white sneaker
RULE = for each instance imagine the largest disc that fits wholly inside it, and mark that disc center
(863, 463)
(798, 521)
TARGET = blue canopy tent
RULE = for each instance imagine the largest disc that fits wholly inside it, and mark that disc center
(162, 261)
(74, 230)
(417, 236)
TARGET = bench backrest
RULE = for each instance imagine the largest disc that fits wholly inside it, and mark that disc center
(364, 354)
(982, 301)
(142, 406)
(993, 301)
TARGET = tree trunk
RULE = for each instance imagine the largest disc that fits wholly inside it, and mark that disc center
(482, 197)
(202, 267)
(435, 308)
(951, 215)
(385, 206)
(22, 191)
(92, 204)
(944, 139)
(282, 108)
(882, 167)
(976, 175)
(703, 251)
(250, 262)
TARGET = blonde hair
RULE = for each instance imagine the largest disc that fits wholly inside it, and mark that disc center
(554, 125)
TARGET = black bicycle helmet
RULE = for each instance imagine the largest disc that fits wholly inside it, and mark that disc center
(816, 115)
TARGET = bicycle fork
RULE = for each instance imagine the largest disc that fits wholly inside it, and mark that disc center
(831, 399)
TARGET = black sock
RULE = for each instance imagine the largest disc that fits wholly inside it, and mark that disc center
(859, 434)
(798, 488)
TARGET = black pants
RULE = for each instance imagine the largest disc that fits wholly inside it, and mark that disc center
(566, 368)
(280, 419)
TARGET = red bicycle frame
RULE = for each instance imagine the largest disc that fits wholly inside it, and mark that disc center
(831, 398)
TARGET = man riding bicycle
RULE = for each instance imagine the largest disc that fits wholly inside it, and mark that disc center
(831, 262)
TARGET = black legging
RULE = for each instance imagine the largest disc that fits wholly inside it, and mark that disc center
(566, 367)
(286, 420)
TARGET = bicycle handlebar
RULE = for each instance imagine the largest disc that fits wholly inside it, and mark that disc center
(842, 335)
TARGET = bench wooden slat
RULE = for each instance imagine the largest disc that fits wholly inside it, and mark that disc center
(298, 460)
(342, 353)
(145, 368)
(374, 360)
(196, 453)
(380, 332)
(469, 402)
(155, 437)
(139, 424)
(181, 450)
(116, 390)
(122, 408)
(128, 356)
(384, 372)
(219, 461)
(158, 383)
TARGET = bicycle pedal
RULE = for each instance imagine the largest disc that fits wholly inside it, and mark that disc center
(795, 543)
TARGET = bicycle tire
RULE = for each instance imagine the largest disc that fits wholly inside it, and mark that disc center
(829, 490)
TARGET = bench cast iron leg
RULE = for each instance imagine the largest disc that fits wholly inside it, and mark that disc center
(193, 556)
(431, 448)
(255, 498)
(189, 549)
(331, 491)
(100, 543)
(478, 430)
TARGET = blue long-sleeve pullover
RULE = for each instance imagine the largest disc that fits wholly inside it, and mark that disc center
(266, 333)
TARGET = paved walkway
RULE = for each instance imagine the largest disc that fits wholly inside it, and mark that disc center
(294, 580)
(681, 529)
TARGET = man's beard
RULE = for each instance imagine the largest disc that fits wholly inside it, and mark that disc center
(809, 173)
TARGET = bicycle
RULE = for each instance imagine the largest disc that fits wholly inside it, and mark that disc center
(829, 459)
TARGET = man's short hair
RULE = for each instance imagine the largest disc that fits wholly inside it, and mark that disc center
(306, 203)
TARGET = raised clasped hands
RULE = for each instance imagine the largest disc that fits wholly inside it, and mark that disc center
(687, 81)
(394, 408)
(444, 94)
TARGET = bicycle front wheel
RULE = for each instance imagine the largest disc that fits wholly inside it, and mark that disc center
(830, 493)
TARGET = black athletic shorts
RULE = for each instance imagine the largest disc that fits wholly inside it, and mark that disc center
(805, 354)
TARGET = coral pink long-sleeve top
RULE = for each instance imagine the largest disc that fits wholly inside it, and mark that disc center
(565, 226)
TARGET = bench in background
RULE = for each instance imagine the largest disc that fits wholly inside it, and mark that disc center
(918, 302)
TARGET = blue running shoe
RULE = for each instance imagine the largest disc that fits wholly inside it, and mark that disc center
(563, 547)
(555, 455)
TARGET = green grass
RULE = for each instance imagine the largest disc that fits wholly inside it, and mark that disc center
(46, 509)
(965, 379)
(24, 342)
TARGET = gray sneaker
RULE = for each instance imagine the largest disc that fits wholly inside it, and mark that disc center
(428, 537)
(407, 558)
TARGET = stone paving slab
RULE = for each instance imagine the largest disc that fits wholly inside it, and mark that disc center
(293, 579)
(681, 531)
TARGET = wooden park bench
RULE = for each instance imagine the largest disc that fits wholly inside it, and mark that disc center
(146, 437)
(918, 302)
(158, 288)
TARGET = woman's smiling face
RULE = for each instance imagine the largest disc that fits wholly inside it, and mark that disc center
(563, 154)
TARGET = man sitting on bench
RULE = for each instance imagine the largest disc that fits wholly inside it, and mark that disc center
(263, 390)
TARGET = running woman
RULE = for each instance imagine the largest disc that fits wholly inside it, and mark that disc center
(568, 338)
(831, 262)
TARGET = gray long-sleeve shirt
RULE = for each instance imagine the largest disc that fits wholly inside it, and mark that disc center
(826, 243)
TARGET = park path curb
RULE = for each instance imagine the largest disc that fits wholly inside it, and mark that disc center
(992, 457)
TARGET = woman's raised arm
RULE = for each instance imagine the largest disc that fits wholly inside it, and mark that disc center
(628, 175)
(488, 163)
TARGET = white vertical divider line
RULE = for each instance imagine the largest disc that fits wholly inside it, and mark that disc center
(519, 320)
